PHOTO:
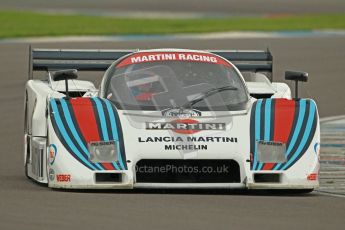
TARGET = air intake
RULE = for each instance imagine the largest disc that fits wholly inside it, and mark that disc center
(267, 178)
(108, 177)
(187, 171)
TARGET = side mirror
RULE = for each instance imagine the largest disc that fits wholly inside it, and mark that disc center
(296, 76)
(67, 74)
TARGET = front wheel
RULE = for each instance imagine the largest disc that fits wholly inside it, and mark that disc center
(303, 191)
(293, 191)
(27, 157)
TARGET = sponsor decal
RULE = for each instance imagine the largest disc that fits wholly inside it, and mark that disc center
(185, 147)
(317, 148)
(51, 174)
(189, 143)
(272, 143)
(172, 56)
(63, 178)
(181, 113)
(185, 126)
(52, 153)
(186, 139)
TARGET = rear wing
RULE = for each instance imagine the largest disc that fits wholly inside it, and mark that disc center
(100, 60)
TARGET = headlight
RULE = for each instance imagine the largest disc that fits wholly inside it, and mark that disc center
(271, 152)
(103, 151)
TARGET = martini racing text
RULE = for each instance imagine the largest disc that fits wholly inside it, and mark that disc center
(174, 57)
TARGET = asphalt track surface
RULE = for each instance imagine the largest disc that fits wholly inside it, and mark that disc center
(208, 7)
(26, 205)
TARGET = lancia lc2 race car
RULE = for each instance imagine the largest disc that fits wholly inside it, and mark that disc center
(167, 118)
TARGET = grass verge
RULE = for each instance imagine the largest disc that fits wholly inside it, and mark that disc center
(29, 24)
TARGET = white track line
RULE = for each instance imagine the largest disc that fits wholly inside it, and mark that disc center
(333, 118)
(329, 194)
(201, 36)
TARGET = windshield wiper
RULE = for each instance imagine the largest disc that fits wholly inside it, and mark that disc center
(206, 94)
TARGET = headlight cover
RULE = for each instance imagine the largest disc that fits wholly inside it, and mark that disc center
(271, 152)
(103, 151)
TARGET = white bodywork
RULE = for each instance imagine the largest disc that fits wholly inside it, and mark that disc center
(37, 94)
(39, 135)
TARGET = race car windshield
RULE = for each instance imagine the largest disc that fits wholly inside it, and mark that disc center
(174, 84)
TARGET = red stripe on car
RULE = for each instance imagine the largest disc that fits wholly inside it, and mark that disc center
(86, 119)
(283, 120)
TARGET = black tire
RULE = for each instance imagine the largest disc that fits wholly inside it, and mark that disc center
(292, 191)
(303, 191)
(26, 171)
(26, 135)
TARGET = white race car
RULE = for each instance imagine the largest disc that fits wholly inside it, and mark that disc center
(167, 118)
